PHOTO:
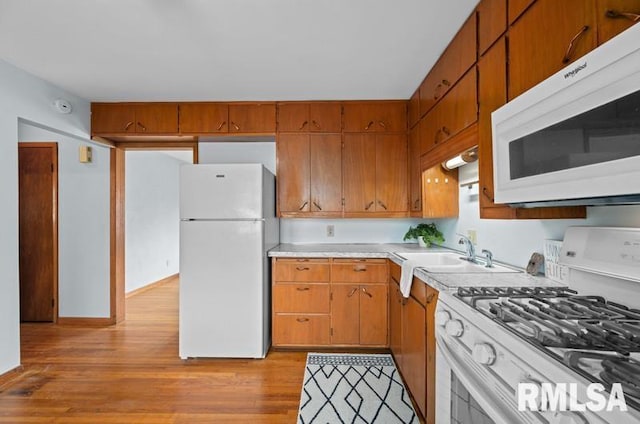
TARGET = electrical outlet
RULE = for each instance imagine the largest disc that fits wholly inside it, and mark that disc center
(331, 231)
(473, 236)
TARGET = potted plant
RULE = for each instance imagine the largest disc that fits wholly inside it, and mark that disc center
(426, 234)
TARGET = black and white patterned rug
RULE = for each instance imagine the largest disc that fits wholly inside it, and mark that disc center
(359, 389)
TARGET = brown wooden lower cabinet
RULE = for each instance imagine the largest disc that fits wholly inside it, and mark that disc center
(412, 336)
(330, 302)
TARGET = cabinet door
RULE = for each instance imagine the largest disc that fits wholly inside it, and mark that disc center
(293, 117)
(326, 172)
(415, 180)
(345, 314)
(113, 118)
(549, 36)
(430, 132)
(395, 323)
(375, 117)
(204, 118)
(414, 350)
(458, 109)
(155, 118)
(294, 173)
(413, 107)
(325, 117)
(373, 314)
(392, 117)
(492, 22)
(359, 171)
(516, 8)
(391, 173)
(252, 118)
(614, 16)
(301, 330)
(440, 193)
(432, 298)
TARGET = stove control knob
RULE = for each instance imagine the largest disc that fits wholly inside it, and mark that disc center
(484, 354)
(454, 328)
(442, 317)
(568, 418)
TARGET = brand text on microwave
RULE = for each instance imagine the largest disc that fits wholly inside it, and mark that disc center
(564, 397)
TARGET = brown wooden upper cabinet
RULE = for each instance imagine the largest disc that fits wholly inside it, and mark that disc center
(456, 60)
(492, 22)
(614, 16)
(133, 118)
(415, 177)
(440, 193)
(309, 174)
(549, 36)
(374, 116)
(375, 174)
(413, 107)
(310, 117)
(204, 118)
(252, 118)
(516, 8)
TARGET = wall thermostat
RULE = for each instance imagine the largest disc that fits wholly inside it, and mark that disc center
(62, 106)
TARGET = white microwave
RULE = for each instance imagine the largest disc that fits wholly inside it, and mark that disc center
(574, 139)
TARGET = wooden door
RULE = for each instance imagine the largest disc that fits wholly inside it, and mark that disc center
(204, 118)
(38, 231)
(440, 193)
(413, 109)
(614, 16)
(492, 22)
(325, 117)
(391, 173)
(294, 172)
(430, 130)
(252, 118)
(516, 8)
(325, 172)
(345, 314)
(293, 117)
(549, 36)
(359, 172)
(373, 314)
(414, 353)
(458, 109)
(415, 181)
(113, 118)
(157, 118)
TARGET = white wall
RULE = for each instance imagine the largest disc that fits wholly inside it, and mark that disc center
(239, 152)
(152, 216)
(513, 241)
(346, 230)
(83, 225)
(23, 96)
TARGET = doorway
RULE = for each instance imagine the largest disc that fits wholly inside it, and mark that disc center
(38, 231)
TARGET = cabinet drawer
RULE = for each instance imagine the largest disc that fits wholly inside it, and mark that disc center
(302, 298)
(359, 272)
(301, 329)
(301, 271)
(360, 260)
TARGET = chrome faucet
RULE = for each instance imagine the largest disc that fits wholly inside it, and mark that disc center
(489, 257)
(471, 251)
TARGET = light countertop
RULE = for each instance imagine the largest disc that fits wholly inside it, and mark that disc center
(439, 281)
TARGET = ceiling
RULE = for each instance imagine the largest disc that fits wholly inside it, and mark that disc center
(150, 50)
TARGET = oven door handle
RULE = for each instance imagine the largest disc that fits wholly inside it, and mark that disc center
(477, 389)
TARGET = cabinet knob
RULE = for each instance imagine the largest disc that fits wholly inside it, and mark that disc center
(235, 126)
(315, 124)
(142, 126)
(317, 206)
(382, 124)
(221, 125)
(368, 126)
(303, 205)
(303, 125)
(366, 208)
(382, 205)
(364, 290)
(302, 268)
(302, 319)
(352, 292)
(126, 127)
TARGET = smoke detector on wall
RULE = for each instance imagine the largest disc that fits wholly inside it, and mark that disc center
(62, 106)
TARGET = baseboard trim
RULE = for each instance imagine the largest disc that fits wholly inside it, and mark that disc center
(10, 375)
(151, 286)
(86, 322)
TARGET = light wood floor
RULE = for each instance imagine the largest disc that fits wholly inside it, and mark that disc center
(131, 373)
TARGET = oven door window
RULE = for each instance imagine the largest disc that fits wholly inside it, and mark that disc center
(464, 408)
(603, 134)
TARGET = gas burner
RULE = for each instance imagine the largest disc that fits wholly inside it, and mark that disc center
(472, 295)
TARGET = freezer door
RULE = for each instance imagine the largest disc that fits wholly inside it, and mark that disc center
(221, 191)
(222, 289)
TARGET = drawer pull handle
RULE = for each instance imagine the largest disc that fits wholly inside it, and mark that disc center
(359, 269)
(302, 288)
(352, 292)
(303, 125)
(485, 191)
(366, 292)
(235, 126)
(368, 126)
(567, 55)
(446, 131)
(221, 125)
(430, 297)
(315, 124)
(382, 204)
(142, 126)
(317, 206)
(302, 268)
(382, 124)
(302, 319)
(366, 208)
(126, 127)
(635, 17)
(303, 205)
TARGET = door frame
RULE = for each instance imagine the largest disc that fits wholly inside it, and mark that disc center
(117, 215)
(54, 191)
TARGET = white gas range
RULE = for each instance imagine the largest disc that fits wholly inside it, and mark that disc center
(496, 346)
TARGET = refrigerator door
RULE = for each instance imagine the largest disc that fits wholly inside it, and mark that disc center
(221, 191)
(222, 289)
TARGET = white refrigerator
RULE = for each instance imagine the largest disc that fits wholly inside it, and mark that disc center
(227, 225)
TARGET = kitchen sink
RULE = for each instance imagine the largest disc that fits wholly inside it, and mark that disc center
(449, 262)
